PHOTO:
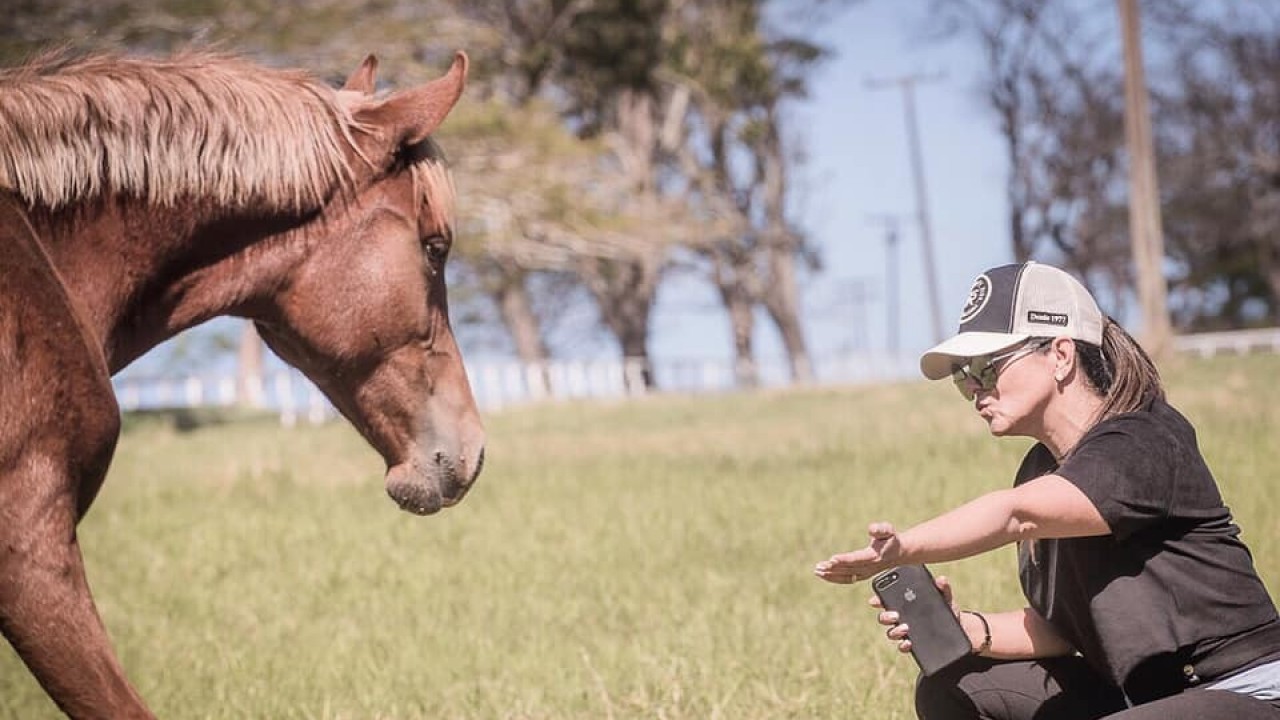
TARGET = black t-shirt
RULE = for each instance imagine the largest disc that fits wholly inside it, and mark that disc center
(1173, 576)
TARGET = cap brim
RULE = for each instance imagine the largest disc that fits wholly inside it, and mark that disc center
(936, 363)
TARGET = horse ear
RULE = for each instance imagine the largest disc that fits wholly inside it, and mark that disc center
(409, 116)
(364, 78)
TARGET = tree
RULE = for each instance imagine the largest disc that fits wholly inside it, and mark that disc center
(732, 154)
(571, 152)
(328, 38)
(1221, 171)
(1058, 101)
(1053, 80)
(585, 203)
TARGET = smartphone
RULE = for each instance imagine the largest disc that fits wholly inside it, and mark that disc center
(937, 640)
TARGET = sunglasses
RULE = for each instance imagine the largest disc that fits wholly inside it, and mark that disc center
(985, 370)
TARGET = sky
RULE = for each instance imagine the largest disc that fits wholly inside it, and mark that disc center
(859, 172)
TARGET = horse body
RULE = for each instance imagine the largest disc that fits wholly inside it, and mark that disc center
(340, 265)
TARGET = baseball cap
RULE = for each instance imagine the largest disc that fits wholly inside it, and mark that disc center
(1011, 303)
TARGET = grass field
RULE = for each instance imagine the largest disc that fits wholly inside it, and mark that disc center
(646, 560)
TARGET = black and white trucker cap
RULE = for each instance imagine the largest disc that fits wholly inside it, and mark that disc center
(1011, 303)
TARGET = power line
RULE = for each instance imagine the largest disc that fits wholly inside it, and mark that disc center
(860, 296)
(891, 238)
(907, 84)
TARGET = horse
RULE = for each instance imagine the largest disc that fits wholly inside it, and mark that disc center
(140, 196)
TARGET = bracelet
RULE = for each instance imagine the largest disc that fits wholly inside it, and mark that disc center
(986, 631)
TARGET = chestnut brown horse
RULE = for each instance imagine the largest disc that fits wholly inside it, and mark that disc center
(140, 197)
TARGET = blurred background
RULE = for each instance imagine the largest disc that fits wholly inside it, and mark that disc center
(679, 198)
(700, 195)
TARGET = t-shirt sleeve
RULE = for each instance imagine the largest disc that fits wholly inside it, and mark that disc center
(1128, 472)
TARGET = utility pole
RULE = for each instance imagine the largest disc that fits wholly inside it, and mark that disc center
(1146, 233)
(892, 319)
(860, 295)
(907, 84)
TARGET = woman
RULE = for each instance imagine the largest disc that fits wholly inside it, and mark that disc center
(1142, 600)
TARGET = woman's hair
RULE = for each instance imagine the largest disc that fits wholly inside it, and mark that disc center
(1121, 370)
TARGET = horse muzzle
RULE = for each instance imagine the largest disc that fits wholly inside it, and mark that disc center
(426, 486)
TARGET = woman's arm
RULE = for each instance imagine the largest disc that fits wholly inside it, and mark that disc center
(1046, 507)
(1016, 635)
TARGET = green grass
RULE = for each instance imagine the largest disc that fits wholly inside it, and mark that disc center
(641, 560)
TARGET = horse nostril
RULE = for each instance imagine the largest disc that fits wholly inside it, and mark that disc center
(439, 457)
(475, 472)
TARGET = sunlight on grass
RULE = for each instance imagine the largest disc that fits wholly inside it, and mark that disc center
(641, 560)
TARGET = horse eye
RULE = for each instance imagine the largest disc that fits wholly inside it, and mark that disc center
(436, 247)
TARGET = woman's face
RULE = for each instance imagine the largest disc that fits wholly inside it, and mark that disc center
(1024, 386)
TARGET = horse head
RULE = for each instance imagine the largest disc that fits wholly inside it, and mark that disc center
(364, 313)
(140, 197)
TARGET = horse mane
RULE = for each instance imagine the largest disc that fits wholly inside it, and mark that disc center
(195, 125)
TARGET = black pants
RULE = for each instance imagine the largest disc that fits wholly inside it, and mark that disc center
(1063, 689)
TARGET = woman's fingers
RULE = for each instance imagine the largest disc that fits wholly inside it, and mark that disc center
(900, 634)
(880, 530)
(859, 564)
(831, 571)
(834, 571)
(944, 585)
(848, 567)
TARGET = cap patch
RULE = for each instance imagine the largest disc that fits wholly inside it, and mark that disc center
(1048, 318)
(979, 294)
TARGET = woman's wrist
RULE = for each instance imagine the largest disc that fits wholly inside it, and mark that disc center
(981, 630)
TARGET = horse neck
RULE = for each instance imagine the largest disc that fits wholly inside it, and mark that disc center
(142, 274)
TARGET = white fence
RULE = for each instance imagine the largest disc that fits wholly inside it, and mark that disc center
(502, 384)
(1231, 341)
(285, 391)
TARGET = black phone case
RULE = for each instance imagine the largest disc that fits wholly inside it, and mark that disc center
(937, 640)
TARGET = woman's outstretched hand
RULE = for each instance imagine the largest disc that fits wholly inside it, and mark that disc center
(879, 554)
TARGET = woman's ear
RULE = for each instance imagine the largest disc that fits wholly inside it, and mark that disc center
(1064, 357)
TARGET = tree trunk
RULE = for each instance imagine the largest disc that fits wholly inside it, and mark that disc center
(624, 292)
(624, 288)
(781, 294)
(1269, 266)
(740, 304)
(635, 349)
(249, 377)
(780, 300)
(516, 308)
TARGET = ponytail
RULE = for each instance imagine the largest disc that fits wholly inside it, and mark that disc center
(1120, 370)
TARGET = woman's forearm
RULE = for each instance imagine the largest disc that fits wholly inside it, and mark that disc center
(1016, 635)
(982, 524)
(1046, 507)
(1049, 506)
